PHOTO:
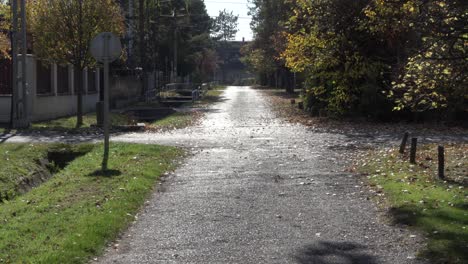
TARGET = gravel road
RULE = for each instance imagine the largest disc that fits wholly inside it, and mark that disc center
(259, 190)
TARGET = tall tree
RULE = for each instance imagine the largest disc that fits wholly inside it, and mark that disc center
(328, 43)
(269, 22)
(175, 27)
(63, 30)
(225, 26)
(4, 28)
(432, 75)
(354, 52)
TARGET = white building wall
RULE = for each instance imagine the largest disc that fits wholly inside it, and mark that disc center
(45, 107)
(5, 107)
(51, 107)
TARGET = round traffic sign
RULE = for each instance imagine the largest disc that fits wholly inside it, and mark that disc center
(106, 47)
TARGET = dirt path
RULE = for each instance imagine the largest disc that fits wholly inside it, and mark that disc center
(257, 190)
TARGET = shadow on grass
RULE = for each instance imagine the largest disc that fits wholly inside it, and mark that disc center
(447, 238)
(106, 173)
(5, 135)
(327, 252)
(61, 129)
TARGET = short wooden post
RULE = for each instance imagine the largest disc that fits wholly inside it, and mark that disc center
(403, 142)
(293, 101)
(300, 105)
(414, 143)
(441, 162)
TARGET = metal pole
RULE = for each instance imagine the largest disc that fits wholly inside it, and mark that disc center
(175, 48)
(14, 72)
(24, 53)
(130, 32)
(106, 106)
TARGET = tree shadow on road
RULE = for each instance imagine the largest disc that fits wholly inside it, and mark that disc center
(328, 252)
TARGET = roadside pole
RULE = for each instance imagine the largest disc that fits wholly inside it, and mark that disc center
(105, 158)
(106, 48)
(14, 54)
(24, 53)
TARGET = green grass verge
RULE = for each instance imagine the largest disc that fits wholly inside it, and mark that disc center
(25, 163)
(211, 96)
(69, 123)
(214, 93)
(18, 161)
(174, 121)
(416, 198)
(219, 87)
(70, 218)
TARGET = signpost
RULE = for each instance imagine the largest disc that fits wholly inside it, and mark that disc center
(106, 48)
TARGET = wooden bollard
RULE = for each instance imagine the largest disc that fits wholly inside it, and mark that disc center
(414, 143)
(441, 157)
(293, 101)
(403, 142)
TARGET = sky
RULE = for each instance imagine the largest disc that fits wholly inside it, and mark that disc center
(238, 7)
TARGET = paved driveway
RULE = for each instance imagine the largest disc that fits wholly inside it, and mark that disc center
(258, 190)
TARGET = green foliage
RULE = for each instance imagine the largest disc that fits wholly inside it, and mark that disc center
(5, 17)
(326, 42)
(360, 57)
(190, 28)
(257, 60)
(225, 26)
(434, 74)
(262, 56)
(63, 30)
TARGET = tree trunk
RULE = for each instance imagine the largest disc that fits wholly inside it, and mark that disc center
(79, 96)
(288, 81)
(276, 79)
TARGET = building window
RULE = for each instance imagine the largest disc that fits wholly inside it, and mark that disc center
(92, 81)
(63, 82)
(44, 78)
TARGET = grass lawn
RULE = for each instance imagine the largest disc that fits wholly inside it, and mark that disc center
(69, 123)
(72, 216)
(212, 95)
(18, 161)
(439, 209)
(174, 121)
(21, 163)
